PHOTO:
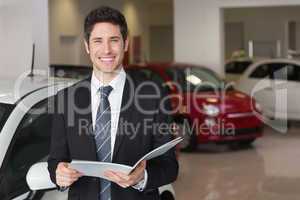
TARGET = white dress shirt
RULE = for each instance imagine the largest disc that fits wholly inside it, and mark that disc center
(114, 98)
(115, 101)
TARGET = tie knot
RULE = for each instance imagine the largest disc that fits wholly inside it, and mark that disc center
(105, 91)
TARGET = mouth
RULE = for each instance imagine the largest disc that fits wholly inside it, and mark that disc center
(107, 60)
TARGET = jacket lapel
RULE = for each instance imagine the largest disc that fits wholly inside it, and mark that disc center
(83, 101)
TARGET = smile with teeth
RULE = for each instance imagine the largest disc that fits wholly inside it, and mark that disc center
(107, 59)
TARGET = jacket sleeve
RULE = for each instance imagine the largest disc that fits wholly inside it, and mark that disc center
(163, 169)
(58, 149)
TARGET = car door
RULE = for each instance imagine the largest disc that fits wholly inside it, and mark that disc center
(293, 92)
(30, 144)
(258, 84)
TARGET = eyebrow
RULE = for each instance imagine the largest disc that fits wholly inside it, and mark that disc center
(115, 37)
(100, 38)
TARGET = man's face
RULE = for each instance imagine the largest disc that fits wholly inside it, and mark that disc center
(106, 47)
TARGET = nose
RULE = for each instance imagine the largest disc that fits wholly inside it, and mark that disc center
(107, 47)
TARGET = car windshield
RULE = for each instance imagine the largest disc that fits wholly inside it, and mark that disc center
(237, 67)
(5, 110)
(191, 79)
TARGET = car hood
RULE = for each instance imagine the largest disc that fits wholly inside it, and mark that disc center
(11, 90)
(229, 102)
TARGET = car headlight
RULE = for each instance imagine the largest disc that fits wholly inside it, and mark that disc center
(258, 107)
(211, 110)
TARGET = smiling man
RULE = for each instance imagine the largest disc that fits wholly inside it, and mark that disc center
(89, 116)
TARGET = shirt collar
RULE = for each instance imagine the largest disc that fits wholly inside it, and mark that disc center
(115, 83)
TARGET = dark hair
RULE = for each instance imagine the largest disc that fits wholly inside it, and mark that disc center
(105, 14)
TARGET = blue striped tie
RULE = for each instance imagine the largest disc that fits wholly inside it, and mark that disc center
(103, 137)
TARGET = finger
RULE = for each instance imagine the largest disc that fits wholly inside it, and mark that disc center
(122, 176)
(140, 167)
(65, 181)
(69, 170)
(65, 167)
(70, 173)
(66, 177)
(127, 180)
(112, 176)
(137, 175)
(138, 171)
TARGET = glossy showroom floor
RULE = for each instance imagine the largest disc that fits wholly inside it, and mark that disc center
(269, 170)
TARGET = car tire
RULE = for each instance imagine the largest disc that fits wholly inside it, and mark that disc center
(247, 142)
(235, 145)
(185, 131)
(167, 196)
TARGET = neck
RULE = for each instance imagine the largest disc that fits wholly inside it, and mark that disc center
(106, 77)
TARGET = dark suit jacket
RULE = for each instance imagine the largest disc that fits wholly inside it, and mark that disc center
(72, 138)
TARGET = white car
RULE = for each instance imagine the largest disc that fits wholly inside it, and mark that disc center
(25, 139)
(275, 84)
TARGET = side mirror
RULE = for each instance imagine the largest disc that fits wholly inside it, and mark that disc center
(38, 177)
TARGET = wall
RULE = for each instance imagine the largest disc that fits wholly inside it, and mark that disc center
(66, 25)
(161, 13)
(298, 35)
(18, 30)
(199, 28)
(264, 24)
(161, 31)
(66, 18)
(136, 13)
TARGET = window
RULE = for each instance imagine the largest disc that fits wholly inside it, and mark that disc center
(30, 144)
(262, 71)
(195, 79)
(277, 71)
(282, 71)
(296, 75)
(287, 71)
(237, 67)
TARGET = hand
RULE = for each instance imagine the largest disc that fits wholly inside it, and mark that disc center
(124, 180)
(66, 176)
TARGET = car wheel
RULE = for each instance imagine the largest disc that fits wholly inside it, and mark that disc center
(167, 196)
(185, 131)
(235, 145)
(247, 142)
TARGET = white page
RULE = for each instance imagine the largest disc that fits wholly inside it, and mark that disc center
(97, 169)
(159, 151)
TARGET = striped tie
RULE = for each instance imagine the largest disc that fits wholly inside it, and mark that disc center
(103, 137)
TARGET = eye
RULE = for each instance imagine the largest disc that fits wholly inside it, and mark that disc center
(115, 40)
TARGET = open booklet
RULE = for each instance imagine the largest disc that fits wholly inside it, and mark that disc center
(97, 169)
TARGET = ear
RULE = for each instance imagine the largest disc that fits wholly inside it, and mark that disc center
(87, 48)
(126, 44)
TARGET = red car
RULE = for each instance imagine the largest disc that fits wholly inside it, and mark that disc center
(204, 107)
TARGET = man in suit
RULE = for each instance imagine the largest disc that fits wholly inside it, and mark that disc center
(110, 117)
